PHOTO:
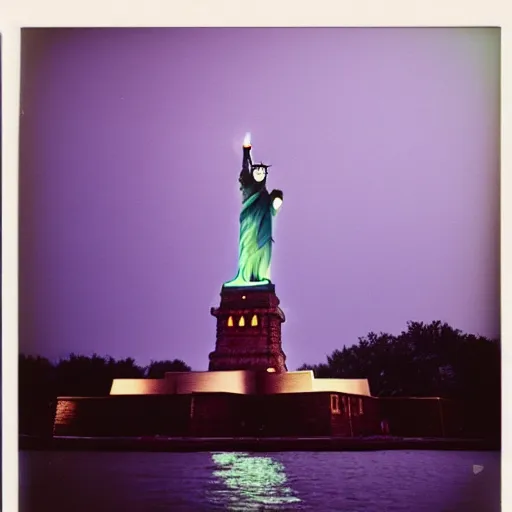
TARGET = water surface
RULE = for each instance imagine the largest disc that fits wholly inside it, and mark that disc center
(378, 481)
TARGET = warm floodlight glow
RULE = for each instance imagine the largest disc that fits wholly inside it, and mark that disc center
(230, 321)
(241, 322)
(244, 297)
(271, 370)
(254, 321)
(276, 204)
(247, 140)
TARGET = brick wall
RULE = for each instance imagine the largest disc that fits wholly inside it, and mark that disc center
(229, 414)
(248, 347)
(202, 415)
(356, 416)
(294, 414)
(421, 417)
(216, 415)
(123, 415)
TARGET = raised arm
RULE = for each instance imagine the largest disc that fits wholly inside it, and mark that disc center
(247, 160)
(245, 174)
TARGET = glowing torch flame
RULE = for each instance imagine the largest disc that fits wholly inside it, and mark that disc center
(247, 140)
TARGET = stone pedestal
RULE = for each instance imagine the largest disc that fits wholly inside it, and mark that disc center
(248, 330)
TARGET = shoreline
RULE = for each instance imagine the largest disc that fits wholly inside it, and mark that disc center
(251, 444)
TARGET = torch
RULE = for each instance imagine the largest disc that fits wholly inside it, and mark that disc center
(247, 161)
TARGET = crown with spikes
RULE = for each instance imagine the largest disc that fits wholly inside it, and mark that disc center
(261, 164)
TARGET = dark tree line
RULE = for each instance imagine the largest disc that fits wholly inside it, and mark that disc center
(41, 382)
(427, 360)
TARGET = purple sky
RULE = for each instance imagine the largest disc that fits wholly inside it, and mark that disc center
(384, 141)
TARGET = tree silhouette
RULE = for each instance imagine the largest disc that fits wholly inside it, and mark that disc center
(36, 388)
(92, 376)
(157, 369)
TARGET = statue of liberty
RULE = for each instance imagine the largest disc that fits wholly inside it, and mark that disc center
(258, 208)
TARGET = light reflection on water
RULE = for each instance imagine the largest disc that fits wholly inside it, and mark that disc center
(252, 482)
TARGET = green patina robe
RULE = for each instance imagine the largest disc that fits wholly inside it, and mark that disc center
(255, 243)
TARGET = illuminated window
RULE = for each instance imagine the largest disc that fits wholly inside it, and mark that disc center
(335, 404)
(254, 321)
(241, 322)
(230, 321)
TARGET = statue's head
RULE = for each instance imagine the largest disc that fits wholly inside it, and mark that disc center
(253, 176)
(259, 173)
